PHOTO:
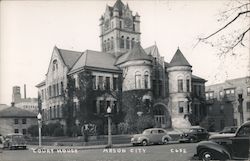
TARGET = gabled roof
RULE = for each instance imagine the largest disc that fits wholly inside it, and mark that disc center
(152, 50)
(95, 59)
(69, 57)
(136, 53)
(16, 112)
(179, 59)
(41, 84)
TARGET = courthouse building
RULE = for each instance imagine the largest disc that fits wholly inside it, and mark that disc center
(122, 69)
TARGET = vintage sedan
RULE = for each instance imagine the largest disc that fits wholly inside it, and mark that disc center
(14, 141)
(226, 146)
(194, 134)
(228, 129)
(151, 136)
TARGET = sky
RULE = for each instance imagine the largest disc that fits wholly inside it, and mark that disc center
(30, 29)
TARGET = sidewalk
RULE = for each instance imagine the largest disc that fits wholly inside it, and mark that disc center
(87, 147)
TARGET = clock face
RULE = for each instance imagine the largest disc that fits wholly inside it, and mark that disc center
(128, 22)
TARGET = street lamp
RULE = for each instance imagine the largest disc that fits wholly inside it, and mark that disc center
(109, 127)
(39, 118)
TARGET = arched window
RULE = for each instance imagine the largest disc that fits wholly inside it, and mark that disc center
(180, 83)
(127, 43)
(188, 84)
(55, 65)
(137, 80)
(146, 80)
(112, 43)
(122, 42)
(108, 45)
(104, 46)
(132, 42)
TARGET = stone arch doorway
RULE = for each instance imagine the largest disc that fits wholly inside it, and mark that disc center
(162, 117)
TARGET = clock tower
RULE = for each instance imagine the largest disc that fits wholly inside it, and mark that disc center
(120, 29)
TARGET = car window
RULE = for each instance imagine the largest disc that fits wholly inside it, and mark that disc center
(154, 131)
(161, 131)
(146, 132)
(200, 130)
(244, 131)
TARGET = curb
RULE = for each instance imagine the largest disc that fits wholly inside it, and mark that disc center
(79, 147)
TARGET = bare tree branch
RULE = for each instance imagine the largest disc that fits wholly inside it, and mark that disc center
(239, 14)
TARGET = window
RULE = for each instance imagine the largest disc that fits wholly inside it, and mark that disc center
(104, 45)
(94, 81)
(180, 85)
(50, 92)
(221, 94)
(133, 27)
(108, 45)
(115, 83)
(137, 80)
(107, 86)
(24, 121)
(16, 131)
(54, 112)
(248, 106)
(132, 42)
(16, 121)
(112, 43)
(58, 111)
(100, 82)
(102, 106)
(120, 24)
(181, 105)
(221, 109)
(210, 95)
(24, 131)
(146, 80)
(55, 65)
(229, 92)
(127, 43)
(62, 88)
(248, 91)
(188, 85)
(122, 42)
(50, 113)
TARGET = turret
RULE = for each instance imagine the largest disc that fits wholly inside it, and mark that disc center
(179, 73)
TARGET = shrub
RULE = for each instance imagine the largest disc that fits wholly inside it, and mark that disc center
(144, 122)
(123, 128)
(58, 132)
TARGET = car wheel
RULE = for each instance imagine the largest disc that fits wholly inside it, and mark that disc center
(144, 142)
(205, 156)
(165, 141)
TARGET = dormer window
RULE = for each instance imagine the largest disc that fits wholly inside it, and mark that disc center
(55, 65)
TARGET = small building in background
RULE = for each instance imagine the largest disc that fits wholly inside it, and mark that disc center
(228, 103)
(30, 104)
(16, 120)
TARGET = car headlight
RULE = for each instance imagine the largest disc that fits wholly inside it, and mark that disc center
(186, 134)
(132, 139)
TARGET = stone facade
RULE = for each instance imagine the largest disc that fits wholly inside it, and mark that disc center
(224, 108)
(122, 68)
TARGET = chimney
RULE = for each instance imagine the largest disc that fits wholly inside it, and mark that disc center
(24, 91)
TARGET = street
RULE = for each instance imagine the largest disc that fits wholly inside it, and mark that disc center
(170, 152)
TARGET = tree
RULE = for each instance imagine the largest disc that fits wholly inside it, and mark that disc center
(234, 31)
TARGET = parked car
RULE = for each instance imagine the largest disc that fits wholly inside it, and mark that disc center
(229, 129)
(175, 134)
(194, 134)
(14, 141)
(226, 146)
(151, 136)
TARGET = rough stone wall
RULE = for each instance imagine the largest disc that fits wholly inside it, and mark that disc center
(129, 72)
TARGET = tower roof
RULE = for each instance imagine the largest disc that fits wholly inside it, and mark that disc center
(137, 53)
(179, 59)
(118, 6)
